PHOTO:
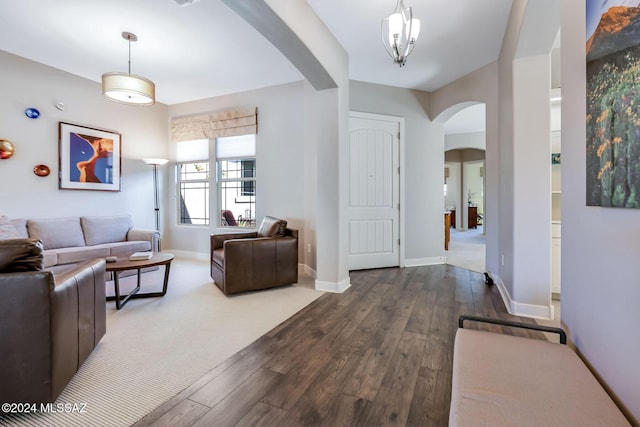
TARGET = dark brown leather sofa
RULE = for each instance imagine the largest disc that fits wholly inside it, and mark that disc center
(259, 260)
(48, 324)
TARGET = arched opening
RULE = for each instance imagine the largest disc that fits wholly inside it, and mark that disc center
(464, 186)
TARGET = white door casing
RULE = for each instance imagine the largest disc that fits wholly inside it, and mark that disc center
(373, 211)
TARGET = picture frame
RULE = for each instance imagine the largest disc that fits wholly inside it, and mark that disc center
(88, 158)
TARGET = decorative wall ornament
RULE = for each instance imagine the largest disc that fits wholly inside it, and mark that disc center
(89, 158)
(32, 113)
(41, 170)
(612, 116)
(6, 148)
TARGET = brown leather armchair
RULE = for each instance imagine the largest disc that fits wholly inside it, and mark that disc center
(49, 324)
(259, 260)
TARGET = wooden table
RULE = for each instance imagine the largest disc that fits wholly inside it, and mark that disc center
(124, 264)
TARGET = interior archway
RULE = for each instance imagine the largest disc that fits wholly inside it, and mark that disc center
(464, 154)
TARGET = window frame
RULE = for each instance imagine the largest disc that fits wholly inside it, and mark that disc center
(240, 180)
(207, 184)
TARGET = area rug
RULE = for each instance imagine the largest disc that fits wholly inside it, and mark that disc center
(467, 249)
(154, 348)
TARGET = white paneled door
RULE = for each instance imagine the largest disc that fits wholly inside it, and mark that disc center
(374, 186)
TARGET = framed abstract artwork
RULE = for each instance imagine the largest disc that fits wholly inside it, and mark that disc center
(89, 158)
(613, 103)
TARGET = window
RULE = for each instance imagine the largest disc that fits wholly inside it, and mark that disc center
(193, 191)
(236, 180)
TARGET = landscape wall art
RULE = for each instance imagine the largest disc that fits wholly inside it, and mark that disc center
(613, 103)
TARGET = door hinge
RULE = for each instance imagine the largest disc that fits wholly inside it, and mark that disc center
(398, 242)
(398, 206)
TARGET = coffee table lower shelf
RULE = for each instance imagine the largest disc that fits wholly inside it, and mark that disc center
(117, 267)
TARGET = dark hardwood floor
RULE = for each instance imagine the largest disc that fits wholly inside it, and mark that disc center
(378, 354)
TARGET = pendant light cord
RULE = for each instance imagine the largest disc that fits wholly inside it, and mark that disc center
(129, 38)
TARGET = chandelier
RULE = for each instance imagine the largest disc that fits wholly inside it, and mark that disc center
(400, 31)
(127, 88)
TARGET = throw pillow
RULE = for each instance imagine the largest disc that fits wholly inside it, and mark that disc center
(7, 230)
(272, 227)
(18, 255)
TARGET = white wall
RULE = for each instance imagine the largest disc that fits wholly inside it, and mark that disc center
(455, 141)
(474, 184)
(279, 161)
(144, 130)
(531, 280)
(600, 246)
(423, 162)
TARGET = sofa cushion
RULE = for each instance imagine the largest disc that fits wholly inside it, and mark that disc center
(78, 254)
(7, 230)
(56, 232)
(50, 258)
(105, 229)
(21, 227)
(124, 249)
(17, 255)
(272, 227)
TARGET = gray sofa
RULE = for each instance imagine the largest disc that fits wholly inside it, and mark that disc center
(71, 240)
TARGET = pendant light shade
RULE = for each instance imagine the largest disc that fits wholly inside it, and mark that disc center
(127, 88)
(400, 31)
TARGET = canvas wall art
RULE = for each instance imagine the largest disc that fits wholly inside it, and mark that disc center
(89, 158)
(613, 103)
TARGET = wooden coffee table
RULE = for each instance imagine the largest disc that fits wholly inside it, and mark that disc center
(124, 264)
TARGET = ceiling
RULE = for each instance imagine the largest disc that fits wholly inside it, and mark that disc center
(204, 49)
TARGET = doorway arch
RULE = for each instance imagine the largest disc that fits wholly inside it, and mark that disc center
(464, 155)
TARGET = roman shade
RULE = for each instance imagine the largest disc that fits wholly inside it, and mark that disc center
(239, 121)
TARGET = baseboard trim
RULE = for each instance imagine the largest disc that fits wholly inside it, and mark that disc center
(306, 270)
(334, 287)
(417, 262)
(519, 309)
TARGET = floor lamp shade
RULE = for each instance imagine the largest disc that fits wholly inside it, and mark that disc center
(128, 88)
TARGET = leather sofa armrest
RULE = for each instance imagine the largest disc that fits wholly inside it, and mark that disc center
(217, 240)
(25, 335)
(78, 318)
(152, 236)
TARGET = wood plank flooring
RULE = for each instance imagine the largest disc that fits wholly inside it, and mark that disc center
(379, 354)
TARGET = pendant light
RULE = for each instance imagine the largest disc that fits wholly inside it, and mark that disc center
(400, 31)
(127, 88)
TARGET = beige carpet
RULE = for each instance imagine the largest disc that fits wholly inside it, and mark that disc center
(467, 249)
(154, 348)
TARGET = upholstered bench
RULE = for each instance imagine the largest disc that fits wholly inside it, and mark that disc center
(503, 380)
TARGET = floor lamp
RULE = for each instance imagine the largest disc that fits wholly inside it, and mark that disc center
(155, 163)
